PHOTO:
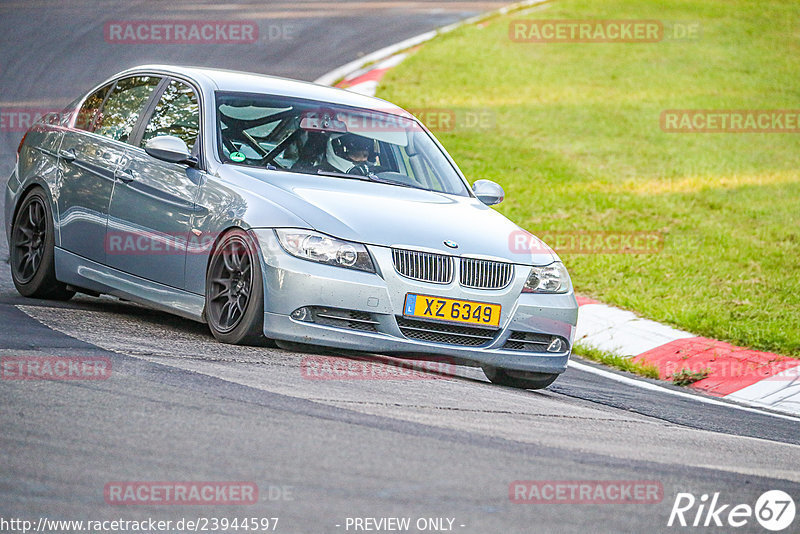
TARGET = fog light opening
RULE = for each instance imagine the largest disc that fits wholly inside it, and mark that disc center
(302, 314)
(557, 345)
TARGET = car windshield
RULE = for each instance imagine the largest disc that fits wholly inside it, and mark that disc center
(311, 137)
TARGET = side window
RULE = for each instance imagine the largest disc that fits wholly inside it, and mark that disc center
(121, 111)
(177, 113)
(90, 107)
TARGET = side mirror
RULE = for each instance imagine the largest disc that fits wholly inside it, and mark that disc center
(168, 148)
(488, 192)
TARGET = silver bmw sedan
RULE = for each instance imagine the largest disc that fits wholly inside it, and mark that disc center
(274, 209)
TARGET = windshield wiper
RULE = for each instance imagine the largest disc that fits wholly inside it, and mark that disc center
(344, 175)
(371, 177)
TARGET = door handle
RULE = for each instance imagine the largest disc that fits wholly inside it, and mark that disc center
(67, 155)
(124, 176)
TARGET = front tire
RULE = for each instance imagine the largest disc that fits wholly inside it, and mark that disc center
(518, 379)
(235, 291)
(32, 253)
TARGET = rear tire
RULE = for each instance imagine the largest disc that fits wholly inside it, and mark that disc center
(235, 291)
(32, 250)
(518, 379)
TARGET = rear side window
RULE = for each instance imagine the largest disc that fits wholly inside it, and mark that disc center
(177, 113)
(123, 107)
(90, 107)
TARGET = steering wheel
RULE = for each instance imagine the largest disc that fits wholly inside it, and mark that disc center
(362, 169)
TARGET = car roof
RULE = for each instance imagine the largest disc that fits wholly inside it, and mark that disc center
(211, 79)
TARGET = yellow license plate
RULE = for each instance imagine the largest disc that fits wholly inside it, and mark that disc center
(452, 310)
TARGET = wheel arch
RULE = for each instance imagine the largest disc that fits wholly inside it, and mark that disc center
(217, 239)
(249, 327)
(44, 282)
(24, 191)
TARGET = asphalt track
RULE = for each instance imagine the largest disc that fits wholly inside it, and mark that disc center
(181, 407)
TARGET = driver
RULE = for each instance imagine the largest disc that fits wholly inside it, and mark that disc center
(357, 149)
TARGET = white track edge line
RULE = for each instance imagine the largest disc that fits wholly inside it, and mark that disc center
(655, 387)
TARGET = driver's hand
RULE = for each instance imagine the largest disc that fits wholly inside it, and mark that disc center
(362, 169)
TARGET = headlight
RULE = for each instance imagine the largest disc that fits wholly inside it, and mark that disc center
(321, 248)
(550, 279)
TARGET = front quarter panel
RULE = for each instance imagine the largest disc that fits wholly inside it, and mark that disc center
(228, 199)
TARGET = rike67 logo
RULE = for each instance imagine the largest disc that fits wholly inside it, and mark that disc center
(774, 510)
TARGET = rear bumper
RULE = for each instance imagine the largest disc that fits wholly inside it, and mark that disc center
(291, 283)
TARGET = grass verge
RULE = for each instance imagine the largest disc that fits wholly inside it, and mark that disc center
(574, 138)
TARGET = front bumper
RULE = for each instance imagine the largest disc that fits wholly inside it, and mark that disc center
(291, 283)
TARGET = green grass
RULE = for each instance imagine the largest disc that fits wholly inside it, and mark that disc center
(687, 377)
(623, 363)
(576, 143)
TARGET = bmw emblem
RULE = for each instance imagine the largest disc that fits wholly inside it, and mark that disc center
(451, 244)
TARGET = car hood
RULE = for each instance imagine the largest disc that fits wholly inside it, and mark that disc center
(394, 216)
